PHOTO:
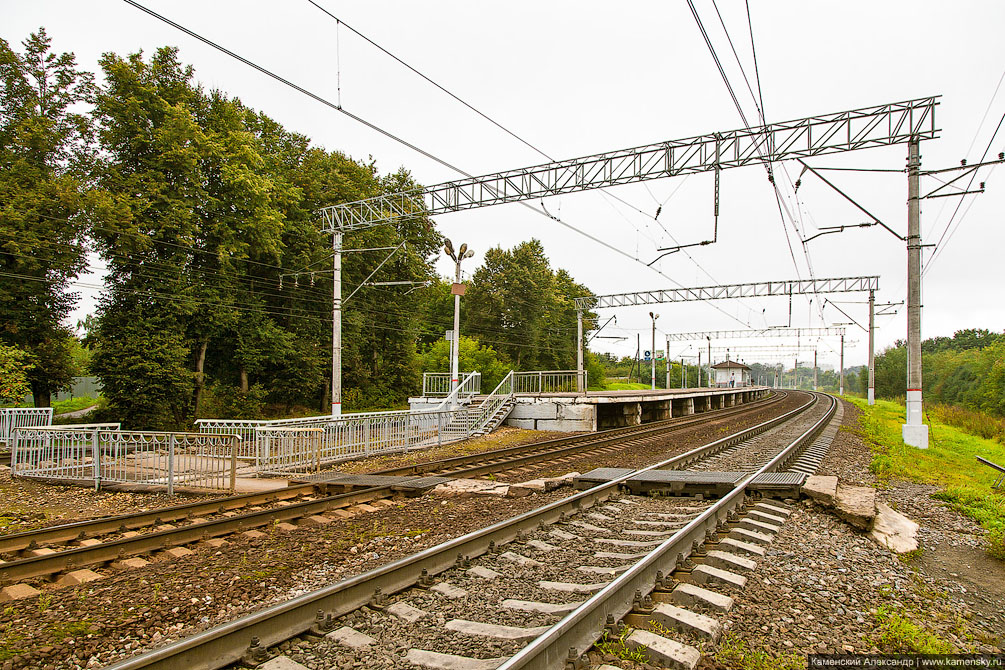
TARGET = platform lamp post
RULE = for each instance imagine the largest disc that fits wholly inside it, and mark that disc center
(654, 317)
(458, 290)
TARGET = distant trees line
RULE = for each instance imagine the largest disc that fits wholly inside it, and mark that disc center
(218, 283)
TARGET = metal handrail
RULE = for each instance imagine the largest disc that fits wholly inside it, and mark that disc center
(495, 400)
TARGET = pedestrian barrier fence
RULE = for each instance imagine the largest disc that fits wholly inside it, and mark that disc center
(102, 453)
(12, 418)
(550, 381)
(438, 383)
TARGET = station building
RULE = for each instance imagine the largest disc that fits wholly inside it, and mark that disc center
(731, 374)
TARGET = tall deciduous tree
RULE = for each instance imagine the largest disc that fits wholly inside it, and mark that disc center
(46, 151)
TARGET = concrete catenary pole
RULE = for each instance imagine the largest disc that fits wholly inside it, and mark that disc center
(337, 323)
(709, 360)
(841, 383)
(814, 369)
(915, 433)
(683, 371)
(579, 351)
(666, 357)
(653, 351)
(872, 348)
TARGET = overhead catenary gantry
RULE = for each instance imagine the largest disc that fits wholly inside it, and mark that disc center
(906, 122)
(754, 333)
(787, 287)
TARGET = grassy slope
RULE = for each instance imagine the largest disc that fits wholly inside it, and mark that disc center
(626, 386)
(949, 463)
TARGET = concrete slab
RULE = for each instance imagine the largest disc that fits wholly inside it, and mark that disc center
(437, 661)
(856, 505)
(176, 552)
(495, 631)
(664, 652)
(350, 637)
(740, 547)
(729, 561)
(821, 488)
(513, 557)
(256, 484)
(78, 577)
(89, 542)
(894, 530)
(691, 595)
(685, 621)
(281, 663)
(129, 563)
(588, 526)
(253, 534)
(285, 526)
(449, 590)
(756, 526)
(314, 521)
(627, 543)
(751, 536)
(466, 488)
(41, 551)
(569, 587)
(405, 612)
(614, 554)
(602, 570)
(541, 546)
(216, 542)
(711, 575)
(538, 410)
(560, 534)
(776, 508)
(543, 608)
(17, 592)
(482, 572)
(764, 517)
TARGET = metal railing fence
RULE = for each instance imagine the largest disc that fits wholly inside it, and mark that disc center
(499, 396)
(438, 383)
(102, 453)
(550, 381)
(12, 418)
(286, 449)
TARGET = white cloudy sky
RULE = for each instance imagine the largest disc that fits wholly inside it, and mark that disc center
(583, 77)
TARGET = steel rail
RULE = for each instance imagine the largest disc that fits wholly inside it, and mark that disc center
(227, 642)
(83, 529)
(582, 627)
(76, 557)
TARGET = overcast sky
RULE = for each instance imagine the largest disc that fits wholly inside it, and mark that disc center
(576, 78)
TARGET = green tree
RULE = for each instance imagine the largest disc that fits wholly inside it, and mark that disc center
(46, 150)
(15, 365)
(517, 303)
(471, 356)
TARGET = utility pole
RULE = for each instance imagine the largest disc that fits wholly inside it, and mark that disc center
(915, 433)
(841, 386)
(795, 373)
(653, 352)
(698, 385)
(872, 350)
(683, 371)
(337, 323)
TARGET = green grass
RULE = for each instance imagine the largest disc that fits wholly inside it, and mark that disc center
(949, 463)
(627, 386)
(73, 404)
(735, 653)
(896, 633)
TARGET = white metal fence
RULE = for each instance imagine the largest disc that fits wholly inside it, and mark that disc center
(12, 418)
(101, 453)
(550, 381)
(438, 383)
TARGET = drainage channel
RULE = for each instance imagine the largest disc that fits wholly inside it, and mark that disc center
(564, 527)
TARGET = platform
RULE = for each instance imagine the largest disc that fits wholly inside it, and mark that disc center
(339, 482)
(689, 482)
(599, 410)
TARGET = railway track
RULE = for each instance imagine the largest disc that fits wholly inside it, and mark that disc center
(117, 542)
(557, 578)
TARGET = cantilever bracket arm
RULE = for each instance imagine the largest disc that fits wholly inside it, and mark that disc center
(852, 201)
(715, 229)
(827, 230)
